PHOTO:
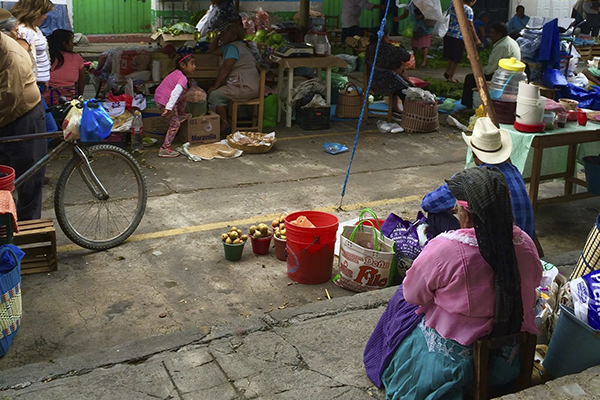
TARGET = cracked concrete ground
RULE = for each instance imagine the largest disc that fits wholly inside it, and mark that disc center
(173, 266)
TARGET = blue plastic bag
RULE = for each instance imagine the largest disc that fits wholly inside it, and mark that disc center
(10, 294)
(334, 148)
(553, 79)
(586, 98)
(96, 124)
(586, 298)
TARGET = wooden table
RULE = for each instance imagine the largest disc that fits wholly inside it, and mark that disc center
(290, 64)
(571, 138)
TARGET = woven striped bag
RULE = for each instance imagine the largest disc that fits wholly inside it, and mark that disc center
(10, 294)
(590, 255)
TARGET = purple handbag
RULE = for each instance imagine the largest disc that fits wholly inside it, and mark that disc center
(404, 233)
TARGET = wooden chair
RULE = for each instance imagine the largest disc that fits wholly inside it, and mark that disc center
(259, 102)
(390, 112)
(481, 361)
(332, 27)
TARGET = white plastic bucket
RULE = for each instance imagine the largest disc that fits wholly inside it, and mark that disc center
(528, 91)
(530, 111)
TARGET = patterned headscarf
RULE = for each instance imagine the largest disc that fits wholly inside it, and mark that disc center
(488, 198)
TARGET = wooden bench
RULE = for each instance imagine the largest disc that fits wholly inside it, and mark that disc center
(37, 238)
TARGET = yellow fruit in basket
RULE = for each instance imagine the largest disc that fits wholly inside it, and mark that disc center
(283, 231)
(263, 229)
(233, 235)
(258, 234)
(233, 228)
(275, 223)
(277, 234)
(282, 226)
(283, 237)
(244, 237)
(252, 229)
(269, 232)
(228, 240)
(239, 232)
(224, 236)
(281, 219)
(237, 241)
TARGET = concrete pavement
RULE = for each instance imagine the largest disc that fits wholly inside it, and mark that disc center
(308, 352)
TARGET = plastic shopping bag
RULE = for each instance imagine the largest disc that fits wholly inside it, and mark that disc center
(586, 299)
(367, 259)
(441, 27)
(410, 238)
(96, 124)
(72, 122)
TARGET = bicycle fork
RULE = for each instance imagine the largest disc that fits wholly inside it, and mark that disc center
(89, 177)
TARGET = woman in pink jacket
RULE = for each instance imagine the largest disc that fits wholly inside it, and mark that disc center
(477, 281)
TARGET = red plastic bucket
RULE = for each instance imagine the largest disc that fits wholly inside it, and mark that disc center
(260, 246)
(7, 182)
(310, 250)
(280, 249)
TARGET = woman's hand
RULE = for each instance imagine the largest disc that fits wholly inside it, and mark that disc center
(167, 114)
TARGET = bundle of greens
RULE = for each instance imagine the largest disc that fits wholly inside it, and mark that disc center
(177, 29)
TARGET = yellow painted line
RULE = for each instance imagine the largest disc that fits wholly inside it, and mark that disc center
(321, 135)
(246, 221)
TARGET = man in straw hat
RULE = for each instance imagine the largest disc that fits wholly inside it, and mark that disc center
(491, 147)
(21, 113)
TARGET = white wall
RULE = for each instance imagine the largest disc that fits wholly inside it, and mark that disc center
(544, 8)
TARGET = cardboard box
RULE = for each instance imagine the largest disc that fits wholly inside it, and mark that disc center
(166, 38)
(205, 129)
(358, 43)
(154, 125)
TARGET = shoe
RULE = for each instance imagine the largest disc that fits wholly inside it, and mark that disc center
(395, 128)
(167, 153)
(383, 126)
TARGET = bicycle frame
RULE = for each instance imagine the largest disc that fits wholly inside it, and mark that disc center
(88, 175)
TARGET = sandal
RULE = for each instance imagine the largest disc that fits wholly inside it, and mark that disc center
(446, 75)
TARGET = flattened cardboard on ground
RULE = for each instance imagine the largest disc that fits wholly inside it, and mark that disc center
(205, 129)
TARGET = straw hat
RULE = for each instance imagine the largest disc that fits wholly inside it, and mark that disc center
(490, 144)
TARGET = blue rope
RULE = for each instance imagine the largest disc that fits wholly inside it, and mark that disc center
(380, 34)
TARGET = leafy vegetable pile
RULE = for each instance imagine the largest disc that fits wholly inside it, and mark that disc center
(177, 29)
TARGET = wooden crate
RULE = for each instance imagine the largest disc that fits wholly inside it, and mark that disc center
(37, 238)
(589, 52)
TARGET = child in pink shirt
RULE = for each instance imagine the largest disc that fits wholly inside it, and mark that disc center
(67, 74)
(170, 99)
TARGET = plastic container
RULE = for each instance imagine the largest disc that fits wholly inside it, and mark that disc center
(7, 182)
(260, 246)
(574, 346)
(505, 111)
(320, 42)
(561, 120)
(280, 251)
(530, 111)
(548, 119)
(310, 250)
(505, 81)
(528, 91)
(582, 118)
(233, 252)
(311, 119)
(592, 174)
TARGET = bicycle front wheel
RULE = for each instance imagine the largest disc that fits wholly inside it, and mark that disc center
(101, 222)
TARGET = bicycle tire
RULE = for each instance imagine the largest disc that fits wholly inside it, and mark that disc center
(68, 205)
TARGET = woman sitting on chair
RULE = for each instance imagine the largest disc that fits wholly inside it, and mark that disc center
(67, 74)
(389, 77)
(238, 79)
(466, 284)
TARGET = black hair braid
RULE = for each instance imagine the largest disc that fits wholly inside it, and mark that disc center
(487, 194)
